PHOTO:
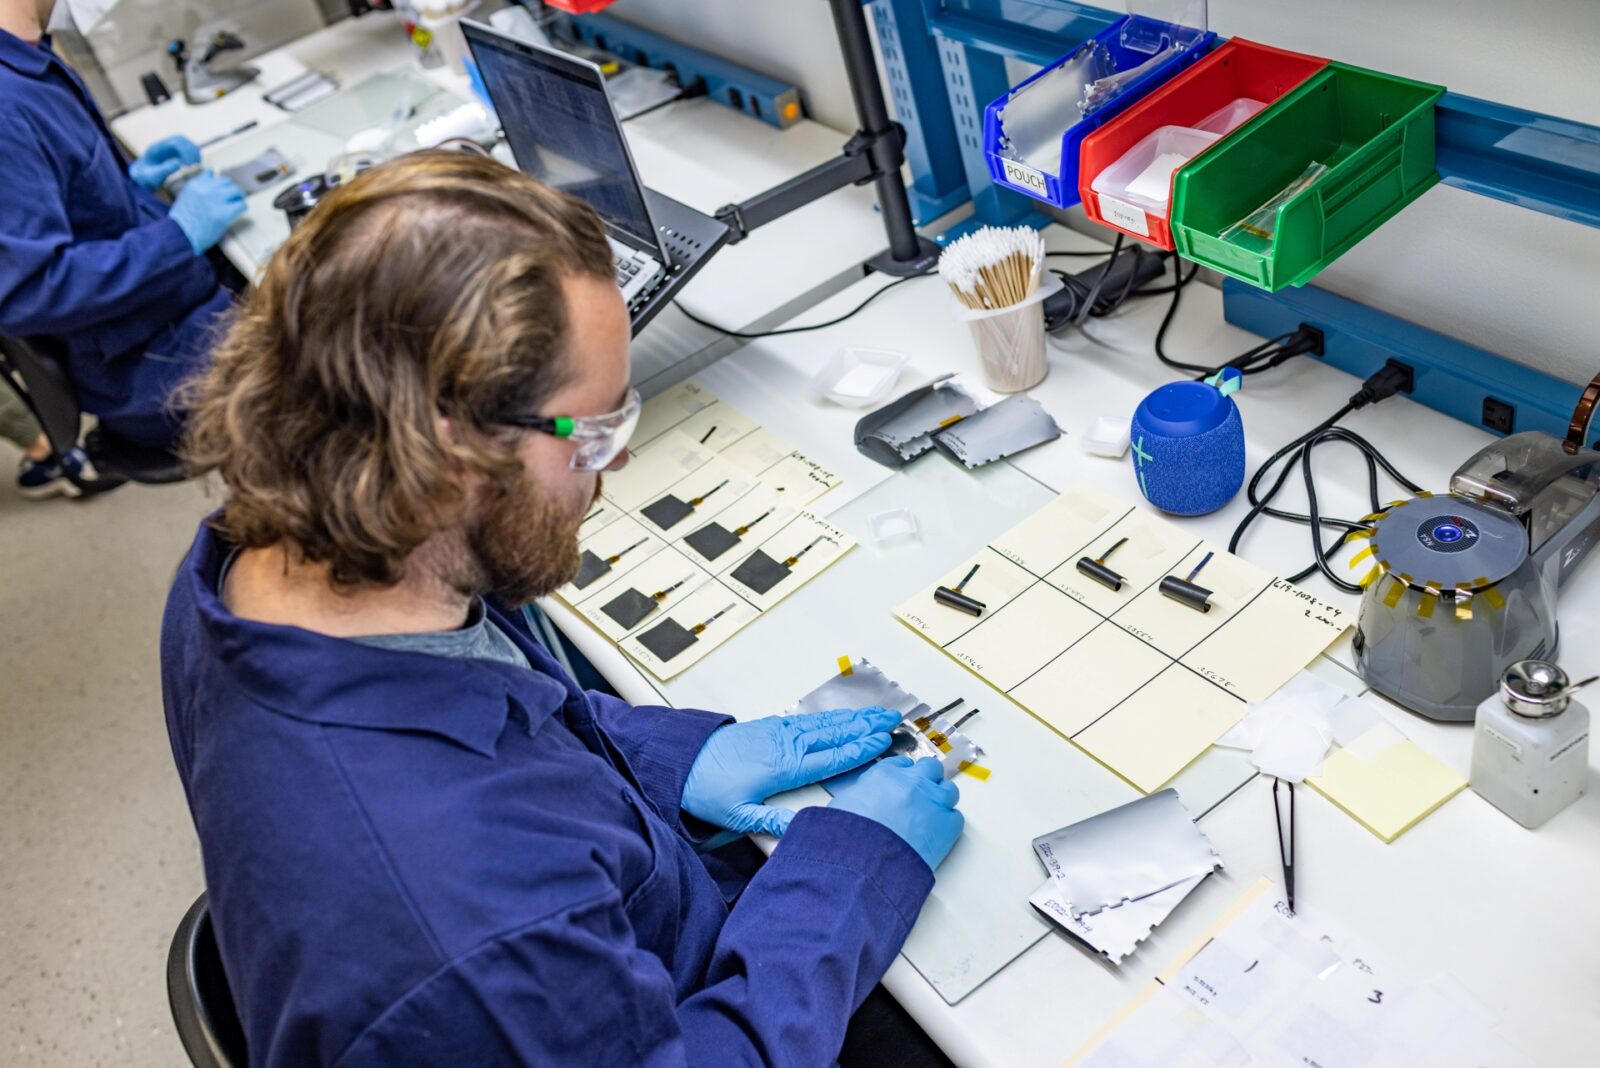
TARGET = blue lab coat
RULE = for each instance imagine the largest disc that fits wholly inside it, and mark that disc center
(89, 258)
(422, 860)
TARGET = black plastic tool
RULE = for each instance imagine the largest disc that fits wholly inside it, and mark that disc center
(1096, 568)
(1186, 592)
(670, 510)
(955, 597)
(630, 608)
(669, 637)
(592, 566)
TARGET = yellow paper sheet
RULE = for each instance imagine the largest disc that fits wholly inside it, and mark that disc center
(1387, 793)
(690, 444)
(1141, 682)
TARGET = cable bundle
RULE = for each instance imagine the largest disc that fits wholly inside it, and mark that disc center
(994, 267)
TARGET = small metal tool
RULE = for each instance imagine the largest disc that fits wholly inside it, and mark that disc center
(1096, 568)
(954, 597)
(1285, 844)
(1186, 592)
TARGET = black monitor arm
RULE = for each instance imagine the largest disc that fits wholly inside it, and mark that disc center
(874, 155)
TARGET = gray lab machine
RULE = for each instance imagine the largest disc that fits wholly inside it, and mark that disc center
(1464, 585)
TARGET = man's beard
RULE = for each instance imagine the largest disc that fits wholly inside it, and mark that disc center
(526, 545)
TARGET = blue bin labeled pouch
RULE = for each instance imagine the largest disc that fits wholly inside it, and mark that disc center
(1188, 445)
(1031, 136)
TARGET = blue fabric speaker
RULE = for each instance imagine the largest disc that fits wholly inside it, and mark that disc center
(1188, 446)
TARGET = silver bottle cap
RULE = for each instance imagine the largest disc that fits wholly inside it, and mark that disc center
(1536, 689)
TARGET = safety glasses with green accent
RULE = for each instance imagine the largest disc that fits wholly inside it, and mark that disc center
(599, 439)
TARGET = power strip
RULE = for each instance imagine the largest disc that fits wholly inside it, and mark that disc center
(1462, 381)
(1134, 268)
(774, 102)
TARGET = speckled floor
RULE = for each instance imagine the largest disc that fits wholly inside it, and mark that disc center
(98, 859)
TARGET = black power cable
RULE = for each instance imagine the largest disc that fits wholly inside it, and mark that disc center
(693, 318)
(1391, 379)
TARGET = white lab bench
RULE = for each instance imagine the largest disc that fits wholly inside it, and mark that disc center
(696, 151)
(1511, 913)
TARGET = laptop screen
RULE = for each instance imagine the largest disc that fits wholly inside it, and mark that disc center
(562, 129)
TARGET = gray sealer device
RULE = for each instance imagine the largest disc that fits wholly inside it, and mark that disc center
(1459, 587)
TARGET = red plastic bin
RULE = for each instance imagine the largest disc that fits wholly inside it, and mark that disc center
(1239, 68)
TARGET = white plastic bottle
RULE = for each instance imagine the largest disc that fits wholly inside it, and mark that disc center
(1530, 752)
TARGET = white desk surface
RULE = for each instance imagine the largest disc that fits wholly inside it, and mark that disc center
(1511, 913)
(695, 151)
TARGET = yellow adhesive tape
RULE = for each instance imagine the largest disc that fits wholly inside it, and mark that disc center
(845, 667)
(952, 420)
(1496, 602)
(977, 771)
(1362, 555)
(1464, 607)
(1425, 605)
(1397, 590)
(1370, 577)
(944, 746)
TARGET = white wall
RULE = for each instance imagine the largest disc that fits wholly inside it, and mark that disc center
(1521, 284)
(789, 39)
(1513, 281)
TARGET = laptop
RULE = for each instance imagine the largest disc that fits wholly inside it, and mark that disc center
(562, 129)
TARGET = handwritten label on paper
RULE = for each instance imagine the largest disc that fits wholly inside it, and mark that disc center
(1128, 217)
(1314, 607)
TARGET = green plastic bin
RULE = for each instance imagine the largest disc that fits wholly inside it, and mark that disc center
(1374, 133)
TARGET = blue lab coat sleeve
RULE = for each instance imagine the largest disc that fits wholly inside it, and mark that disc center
(814, 932)
(53, 283)
(659, 743)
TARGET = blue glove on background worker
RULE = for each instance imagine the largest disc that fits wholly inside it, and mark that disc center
(162, 160)
(914, 800)
(743, 764)
(205, 208)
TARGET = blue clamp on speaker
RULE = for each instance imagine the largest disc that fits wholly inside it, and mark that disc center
(1188, 444)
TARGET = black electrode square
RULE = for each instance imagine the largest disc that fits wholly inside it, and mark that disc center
(667, 512)
(760, 572)
(630, 608)
(712, 540)
(590, 568)
(667, 639)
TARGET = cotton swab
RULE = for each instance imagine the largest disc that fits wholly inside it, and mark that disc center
(994, 267)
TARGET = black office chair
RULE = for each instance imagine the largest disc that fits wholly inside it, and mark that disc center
(202, 1006)
(35, 369)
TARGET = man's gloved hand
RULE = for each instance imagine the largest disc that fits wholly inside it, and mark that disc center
(911, 799)
(206, 208)
(162, 160)
(743, 764)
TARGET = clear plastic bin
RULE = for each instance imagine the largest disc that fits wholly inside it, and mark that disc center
(1143, 177)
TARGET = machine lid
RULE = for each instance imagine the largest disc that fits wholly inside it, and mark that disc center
(1536, 689)
(1449, 542)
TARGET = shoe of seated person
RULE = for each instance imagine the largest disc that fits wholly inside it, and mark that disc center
(71, 475)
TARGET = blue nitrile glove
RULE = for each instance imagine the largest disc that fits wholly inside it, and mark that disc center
(206, 208)
(911, 799)
(162, 160)
(743, 764)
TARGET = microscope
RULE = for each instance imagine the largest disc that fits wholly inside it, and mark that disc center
(202, 84)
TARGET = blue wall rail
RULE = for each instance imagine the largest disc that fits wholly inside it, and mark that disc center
(1536, 161)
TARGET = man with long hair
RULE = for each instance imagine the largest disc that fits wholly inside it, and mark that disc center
(423, 843)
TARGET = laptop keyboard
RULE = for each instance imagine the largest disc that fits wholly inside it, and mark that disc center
(637, 276)
(626, 269)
